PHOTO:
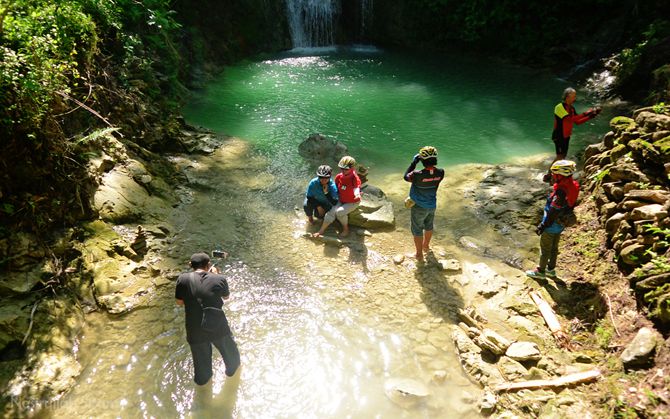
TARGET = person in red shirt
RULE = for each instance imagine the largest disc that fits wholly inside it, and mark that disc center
(565, 117)
(349, 192)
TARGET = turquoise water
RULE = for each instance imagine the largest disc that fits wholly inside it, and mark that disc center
(385, 105)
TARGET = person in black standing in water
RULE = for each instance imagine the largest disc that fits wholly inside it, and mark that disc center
(206, 288)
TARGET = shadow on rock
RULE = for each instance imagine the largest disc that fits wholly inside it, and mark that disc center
(439, 296)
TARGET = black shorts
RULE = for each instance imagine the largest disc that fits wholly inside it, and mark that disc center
(561, 145)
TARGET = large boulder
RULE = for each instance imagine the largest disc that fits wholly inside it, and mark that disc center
(124, 196)
(318, 149)
(375, 211)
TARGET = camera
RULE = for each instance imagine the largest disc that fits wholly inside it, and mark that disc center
(219, 254)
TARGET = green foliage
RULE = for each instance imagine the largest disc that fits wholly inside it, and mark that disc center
(600, 175)
(603, 333)
(41, 55)
(660, 107)
(63, 65)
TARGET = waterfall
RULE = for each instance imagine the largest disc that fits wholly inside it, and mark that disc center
(311, 22)
(366, 16)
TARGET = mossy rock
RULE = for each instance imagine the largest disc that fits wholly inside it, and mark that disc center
(622, 123)
(645, 151)
(658, 302)
(617, 152)
(101, 230)
(663, 146)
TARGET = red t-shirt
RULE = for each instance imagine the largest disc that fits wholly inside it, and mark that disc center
(348, 187)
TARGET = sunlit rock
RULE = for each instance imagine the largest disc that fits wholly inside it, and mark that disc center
(449, 266)
(488, 403)
(375, 210)
(511, 369)
(524, 351)
(640, 351)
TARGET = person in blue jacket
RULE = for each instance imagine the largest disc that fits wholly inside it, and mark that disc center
(321, 194)
(560, 202)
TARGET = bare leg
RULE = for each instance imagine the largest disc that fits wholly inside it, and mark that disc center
(310, 219)
(345, 230)
(418, 242)
(321, 211)
(427, 235)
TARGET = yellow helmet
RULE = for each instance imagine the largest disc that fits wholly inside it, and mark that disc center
(427, 152)
(563, 167)
(346, 162)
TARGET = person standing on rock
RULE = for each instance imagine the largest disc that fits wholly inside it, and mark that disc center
(565, 116)
(423, 197)
(202, 292)
(349, 192)
(560, 202)
(321, 194)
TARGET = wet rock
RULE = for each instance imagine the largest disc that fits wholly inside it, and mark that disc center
(640, 351)
(375, 210)
(449, 266)
(405, 392)
(319, 149)
(489, 283)
(524, 351)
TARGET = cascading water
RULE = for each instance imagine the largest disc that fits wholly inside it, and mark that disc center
(366, 16)
(311, 22)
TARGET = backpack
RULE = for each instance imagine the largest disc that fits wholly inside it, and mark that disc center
(213, 318)
(568, 218)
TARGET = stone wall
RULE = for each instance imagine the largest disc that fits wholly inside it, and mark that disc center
(628, 173)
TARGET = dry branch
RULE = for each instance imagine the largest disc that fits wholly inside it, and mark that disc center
(551, 320)
(576, 378)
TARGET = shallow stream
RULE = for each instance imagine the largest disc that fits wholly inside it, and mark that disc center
(322, 328)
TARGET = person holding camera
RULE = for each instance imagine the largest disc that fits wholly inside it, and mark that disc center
(202, 292)
(565, 116)
(321, 194)
(423, 197)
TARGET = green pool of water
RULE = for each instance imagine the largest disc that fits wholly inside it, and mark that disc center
(385, 105)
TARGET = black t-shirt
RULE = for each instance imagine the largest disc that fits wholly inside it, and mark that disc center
(209, 287)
